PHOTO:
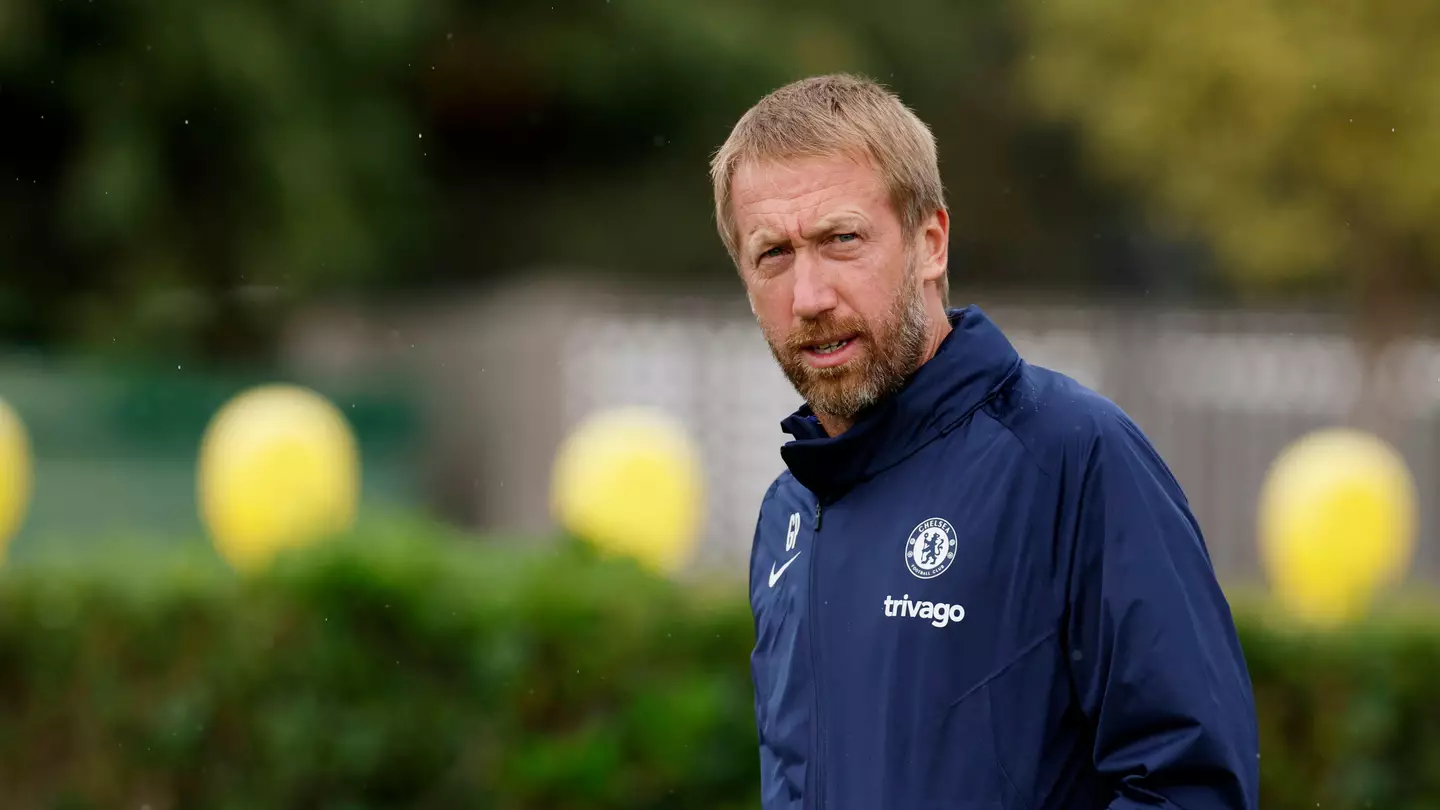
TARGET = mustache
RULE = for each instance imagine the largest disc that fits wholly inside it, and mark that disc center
(824, 331)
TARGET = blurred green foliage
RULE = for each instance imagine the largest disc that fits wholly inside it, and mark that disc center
(1296, 139)
(609, 112)
(407, 666)
(1346, 718)
(176, 178)
(175, 171)
(398, 669)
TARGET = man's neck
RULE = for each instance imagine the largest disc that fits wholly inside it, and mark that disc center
(834, 425)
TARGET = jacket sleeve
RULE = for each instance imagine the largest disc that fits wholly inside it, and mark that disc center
(773, 786)
(1154, 654)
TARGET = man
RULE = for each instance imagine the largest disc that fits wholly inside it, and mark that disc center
(976, 585)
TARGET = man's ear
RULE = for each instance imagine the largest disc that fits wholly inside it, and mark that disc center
(935, 246)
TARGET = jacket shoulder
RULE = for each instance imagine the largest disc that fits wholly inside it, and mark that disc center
(1057, 419)
(780, 491)
(779, 488)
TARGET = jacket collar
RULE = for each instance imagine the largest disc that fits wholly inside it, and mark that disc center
(970, 364)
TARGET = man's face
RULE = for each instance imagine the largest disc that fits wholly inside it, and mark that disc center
(832, 278)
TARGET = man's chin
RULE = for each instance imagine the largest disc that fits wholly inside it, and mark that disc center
(822, 382)
(837, 391)
(836, 397)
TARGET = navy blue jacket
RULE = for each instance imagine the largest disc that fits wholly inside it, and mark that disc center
(991, 593)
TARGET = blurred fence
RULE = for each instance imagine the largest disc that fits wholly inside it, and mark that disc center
(1219, 392)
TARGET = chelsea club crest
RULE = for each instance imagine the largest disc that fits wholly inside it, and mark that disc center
(931, 548)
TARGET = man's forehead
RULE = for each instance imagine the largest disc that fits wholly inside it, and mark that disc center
(797, 176)
(807, 192)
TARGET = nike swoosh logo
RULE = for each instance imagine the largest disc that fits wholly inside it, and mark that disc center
(775, 575)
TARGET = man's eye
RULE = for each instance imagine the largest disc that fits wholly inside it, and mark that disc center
(772, 253)
(846, 237)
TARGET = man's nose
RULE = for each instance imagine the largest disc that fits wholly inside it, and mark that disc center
(814, 295)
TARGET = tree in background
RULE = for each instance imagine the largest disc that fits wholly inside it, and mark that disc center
(1299, 140)
(177, 170)
(177, 177)
(579, 134)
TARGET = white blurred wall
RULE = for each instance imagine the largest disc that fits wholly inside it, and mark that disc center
(507, 374)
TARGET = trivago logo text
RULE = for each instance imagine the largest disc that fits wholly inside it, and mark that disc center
(939, 613)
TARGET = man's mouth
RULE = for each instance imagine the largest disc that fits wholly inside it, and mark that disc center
(832, 353)
(831, 347)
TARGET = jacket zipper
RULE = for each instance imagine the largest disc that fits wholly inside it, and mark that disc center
(819, 753)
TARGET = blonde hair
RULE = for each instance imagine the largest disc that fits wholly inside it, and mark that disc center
(827, 116)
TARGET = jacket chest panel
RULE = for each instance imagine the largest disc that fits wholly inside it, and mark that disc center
(948, 582)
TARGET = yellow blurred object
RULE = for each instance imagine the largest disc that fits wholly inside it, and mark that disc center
(1337, 524)
(629, 481)
(279, 467)
(15, 475)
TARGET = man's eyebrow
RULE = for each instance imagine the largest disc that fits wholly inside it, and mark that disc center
(764, 236)
(824, 225)
(832, 223)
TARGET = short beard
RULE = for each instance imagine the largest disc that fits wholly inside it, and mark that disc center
(891, 356)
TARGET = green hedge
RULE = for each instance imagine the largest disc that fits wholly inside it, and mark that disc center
(408, 669)
(1348, 719)
(383, 672)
